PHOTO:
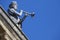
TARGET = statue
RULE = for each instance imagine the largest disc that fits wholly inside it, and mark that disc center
(15, 16)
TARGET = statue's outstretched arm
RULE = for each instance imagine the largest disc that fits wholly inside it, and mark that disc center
(15, 12)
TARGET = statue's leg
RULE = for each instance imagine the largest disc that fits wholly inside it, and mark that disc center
(23, 18)
(20, 23)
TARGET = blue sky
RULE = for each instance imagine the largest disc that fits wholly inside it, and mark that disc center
(46, 23)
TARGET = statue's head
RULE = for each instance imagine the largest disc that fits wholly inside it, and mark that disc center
(13, 4)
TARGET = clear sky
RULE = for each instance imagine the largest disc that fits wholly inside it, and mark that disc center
(46, 23)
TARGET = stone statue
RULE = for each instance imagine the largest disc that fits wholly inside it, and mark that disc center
(14, 15)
